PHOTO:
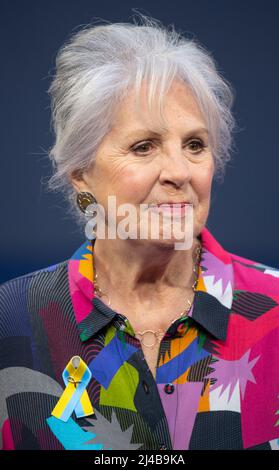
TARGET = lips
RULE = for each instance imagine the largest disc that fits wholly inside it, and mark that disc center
(168, 204)
(171, 208)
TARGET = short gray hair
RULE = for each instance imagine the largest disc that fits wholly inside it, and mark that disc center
(96, 68)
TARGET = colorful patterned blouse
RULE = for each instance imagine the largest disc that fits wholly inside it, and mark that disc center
(217, 374)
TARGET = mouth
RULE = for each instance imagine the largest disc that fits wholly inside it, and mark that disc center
(171, 208)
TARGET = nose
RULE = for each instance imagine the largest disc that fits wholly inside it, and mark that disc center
(175, 170)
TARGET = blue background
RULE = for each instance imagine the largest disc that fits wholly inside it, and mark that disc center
(243, 37)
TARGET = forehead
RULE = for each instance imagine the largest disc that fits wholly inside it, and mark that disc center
(179, 108)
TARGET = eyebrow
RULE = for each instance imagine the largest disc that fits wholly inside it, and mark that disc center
(157, 132)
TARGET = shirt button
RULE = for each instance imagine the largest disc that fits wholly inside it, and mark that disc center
(145, 386)
(169, 388)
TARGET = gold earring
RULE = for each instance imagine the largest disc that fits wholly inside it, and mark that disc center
(84, 199)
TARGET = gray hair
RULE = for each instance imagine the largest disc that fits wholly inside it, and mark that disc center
(98, 66)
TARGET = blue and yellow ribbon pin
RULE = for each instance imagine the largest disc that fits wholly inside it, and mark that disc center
(76, 376)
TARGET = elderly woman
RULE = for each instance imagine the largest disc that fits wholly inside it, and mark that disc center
(133, 342)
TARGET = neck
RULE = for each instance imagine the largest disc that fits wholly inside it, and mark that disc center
(139, 269)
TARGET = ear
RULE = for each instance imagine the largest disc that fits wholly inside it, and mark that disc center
(77, 181)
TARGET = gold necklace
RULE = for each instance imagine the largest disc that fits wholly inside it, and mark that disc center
(159, 332)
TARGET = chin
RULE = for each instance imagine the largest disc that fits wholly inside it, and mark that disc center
(164, 243)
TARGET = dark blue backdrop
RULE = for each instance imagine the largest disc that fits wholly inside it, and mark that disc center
(243, 37)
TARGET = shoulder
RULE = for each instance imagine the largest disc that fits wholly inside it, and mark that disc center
(254, 276)
(46, 273)
(18, 294)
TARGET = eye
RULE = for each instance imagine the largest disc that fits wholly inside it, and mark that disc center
(197, 145)
(142, 148)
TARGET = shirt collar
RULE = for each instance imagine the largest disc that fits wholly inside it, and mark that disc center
(212, 301)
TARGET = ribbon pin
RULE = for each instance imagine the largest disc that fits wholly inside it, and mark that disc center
(76, 376)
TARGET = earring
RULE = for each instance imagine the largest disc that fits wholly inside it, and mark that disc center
(84, 199)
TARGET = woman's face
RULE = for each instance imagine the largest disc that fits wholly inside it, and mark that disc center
(139, 166)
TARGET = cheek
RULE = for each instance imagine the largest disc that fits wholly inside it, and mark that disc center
(202, 182)
(133, 182)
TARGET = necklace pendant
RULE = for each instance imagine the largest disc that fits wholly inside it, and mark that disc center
(150, 335)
